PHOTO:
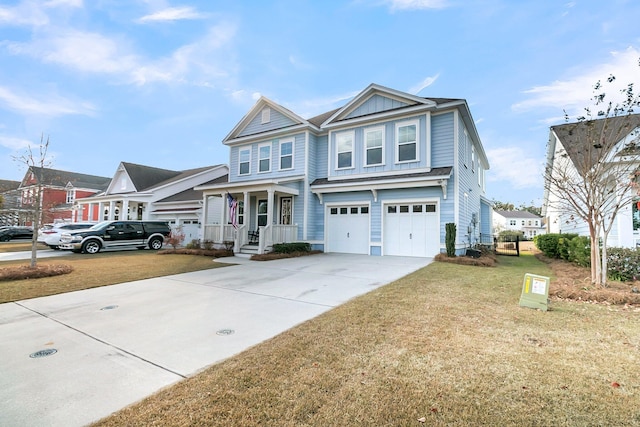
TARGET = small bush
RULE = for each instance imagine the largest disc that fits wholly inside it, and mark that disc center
(194, 244)
(207, 245)
(623, 264)
(450, 239)
(554, 245)
(176, 237)
(580, 251)
(287, 248)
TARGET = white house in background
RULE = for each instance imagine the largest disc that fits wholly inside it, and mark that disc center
(568, 147)
(529, 224)
(144, 192)
(381, 175)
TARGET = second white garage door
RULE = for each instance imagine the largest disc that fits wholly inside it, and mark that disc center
(348, 229)
(411, 229)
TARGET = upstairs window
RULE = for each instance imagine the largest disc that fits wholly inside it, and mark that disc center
(512, 222)
(344, 144)
(286, 155)
(244, 166)
(264, 161)
(407, 142)
(71, 196)
(473, 158)
(374, 146)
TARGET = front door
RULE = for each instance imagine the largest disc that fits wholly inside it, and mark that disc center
(285, 211)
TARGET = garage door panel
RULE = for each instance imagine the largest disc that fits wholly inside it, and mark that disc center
(348, 229)
(411, 229)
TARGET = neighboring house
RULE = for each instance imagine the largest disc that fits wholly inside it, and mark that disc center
(9, 202)
(529, 224)
(60, 189)
(568, 146)
(381, 175)
(144, 192)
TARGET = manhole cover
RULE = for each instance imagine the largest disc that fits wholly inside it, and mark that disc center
(225, 332)
(109, 307)
(43, 353)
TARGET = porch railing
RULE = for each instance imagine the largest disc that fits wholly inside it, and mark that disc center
(268, 235)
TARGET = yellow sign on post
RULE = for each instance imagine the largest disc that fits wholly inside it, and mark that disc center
(535, 292)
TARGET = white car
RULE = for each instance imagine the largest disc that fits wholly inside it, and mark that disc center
(50, 236)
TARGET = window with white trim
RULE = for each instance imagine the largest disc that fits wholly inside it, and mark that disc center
(374, 146)
(71, 196)
(407, 142)
(264, 158)
(286, 155)
(344, 150)
(473, 158)
(244, 161)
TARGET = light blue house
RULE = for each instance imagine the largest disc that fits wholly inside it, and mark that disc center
(381, 175)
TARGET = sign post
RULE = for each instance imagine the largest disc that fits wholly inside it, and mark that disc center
(535, 292)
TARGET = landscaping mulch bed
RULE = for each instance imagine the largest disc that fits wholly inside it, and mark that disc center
(215, 253)
(27, 272)
(487, 259)
(573, 282)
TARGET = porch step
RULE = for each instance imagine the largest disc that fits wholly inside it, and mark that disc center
(249, 249)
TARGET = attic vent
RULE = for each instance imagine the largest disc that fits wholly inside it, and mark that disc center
(266, 115)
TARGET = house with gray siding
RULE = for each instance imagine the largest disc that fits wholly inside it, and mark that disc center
(381, 175)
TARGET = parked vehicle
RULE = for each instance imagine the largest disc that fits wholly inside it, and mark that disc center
(50, 235)
(116, 234)
(11, 232)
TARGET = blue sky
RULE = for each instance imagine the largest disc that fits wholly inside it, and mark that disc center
(161, 83)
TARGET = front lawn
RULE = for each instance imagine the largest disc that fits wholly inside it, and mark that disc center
(447, 345)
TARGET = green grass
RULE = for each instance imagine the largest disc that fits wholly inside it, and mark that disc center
(101, 269)
(448, 343)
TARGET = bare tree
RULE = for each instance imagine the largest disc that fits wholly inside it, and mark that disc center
(39, 160)
(592, 173)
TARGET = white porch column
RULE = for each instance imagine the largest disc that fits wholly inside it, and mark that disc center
(270, 200)
(124, 213)
(112, 208)
(247, 218)
(223, 212)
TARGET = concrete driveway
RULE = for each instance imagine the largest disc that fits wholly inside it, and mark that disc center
(70, 359)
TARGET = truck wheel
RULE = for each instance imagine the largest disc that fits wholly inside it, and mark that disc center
(155, 243)
(91, 247)
(5, 238)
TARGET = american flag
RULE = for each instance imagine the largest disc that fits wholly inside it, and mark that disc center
(233, 204)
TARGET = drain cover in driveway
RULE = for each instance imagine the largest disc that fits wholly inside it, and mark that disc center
(43, 353)
(225, 332)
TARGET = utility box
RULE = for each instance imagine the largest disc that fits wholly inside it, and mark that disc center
(535, 292)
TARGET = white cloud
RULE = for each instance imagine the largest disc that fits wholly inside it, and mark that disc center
(575, 93)
(14, 144)
(173, 14)
(64, 3)
(514, 166)
(54, 106)
(428, 81)
(416, 4)
(24, 14)
(98, 54)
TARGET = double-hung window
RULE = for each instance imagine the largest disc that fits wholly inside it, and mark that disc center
(286, 155)
(71, 196)
(407, 141)
(344, 145)
(264, 161)
(374, 146)
(244, 166)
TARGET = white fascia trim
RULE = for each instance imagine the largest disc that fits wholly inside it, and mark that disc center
(250, 184)
(206, 171)
(379, 174)
(374, 187)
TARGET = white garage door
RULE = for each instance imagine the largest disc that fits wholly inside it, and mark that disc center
(348, 229)
(411, 229)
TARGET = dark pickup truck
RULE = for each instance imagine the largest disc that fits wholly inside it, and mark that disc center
(116, 234)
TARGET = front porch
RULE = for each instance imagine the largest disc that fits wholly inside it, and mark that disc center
(253, 218)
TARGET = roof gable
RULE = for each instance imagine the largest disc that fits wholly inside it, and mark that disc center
(376, 99)
(252, 123)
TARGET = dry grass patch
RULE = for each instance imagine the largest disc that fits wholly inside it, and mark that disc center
(448, 343)
(105, 268)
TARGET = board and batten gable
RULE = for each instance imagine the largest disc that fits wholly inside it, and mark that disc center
(276, 120)
(442, 139)
(376, 104)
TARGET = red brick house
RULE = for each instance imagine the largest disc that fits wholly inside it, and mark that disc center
(60, 189)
